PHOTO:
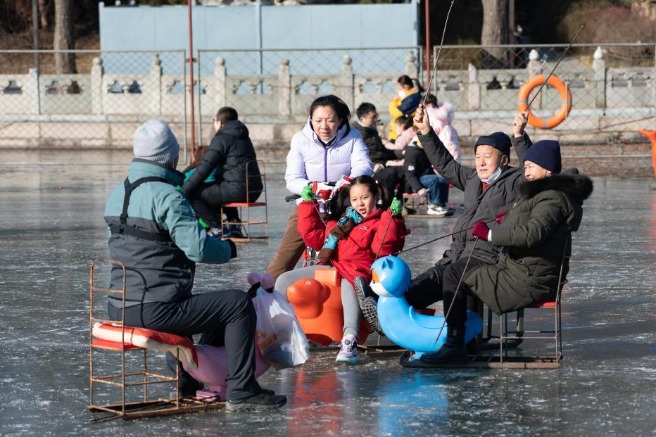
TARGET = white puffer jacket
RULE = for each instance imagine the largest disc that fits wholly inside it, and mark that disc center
(309, 160)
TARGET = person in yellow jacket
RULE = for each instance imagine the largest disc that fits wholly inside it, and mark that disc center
(405, 103)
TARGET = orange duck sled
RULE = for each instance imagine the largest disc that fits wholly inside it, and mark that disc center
(317, 303)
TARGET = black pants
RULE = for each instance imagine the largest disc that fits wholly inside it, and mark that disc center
(389, 177)
(207, 200)
(224, 318)
(455, 302)
(426, 288)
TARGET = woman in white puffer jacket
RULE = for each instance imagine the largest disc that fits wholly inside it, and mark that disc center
(325, 150)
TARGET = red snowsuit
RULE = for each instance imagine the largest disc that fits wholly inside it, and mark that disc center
(378, 235)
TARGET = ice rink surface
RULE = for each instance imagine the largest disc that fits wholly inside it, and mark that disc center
(52, 227)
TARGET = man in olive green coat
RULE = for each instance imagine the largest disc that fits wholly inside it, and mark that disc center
(533, 236)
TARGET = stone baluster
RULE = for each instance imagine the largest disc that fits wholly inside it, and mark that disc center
(31, 88)
(534, 65)
(155, 83)
(473, 89)
(599, 67)
(284, 89)
(220, 80)
(97, 91)
(411, 65)
(346, 86)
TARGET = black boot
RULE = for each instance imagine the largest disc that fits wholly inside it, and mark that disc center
(453, 351)
(186, 383)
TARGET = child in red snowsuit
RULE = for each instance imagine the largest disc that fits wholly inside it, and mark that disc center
(365, 231)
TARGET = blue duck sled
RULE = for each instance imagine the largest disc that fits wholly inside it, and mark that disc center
(400, 322)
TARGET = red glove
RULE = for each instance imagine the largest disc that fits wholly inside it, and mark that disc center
(344, 182)
(500, 217)
(322, 190)
(480, 230)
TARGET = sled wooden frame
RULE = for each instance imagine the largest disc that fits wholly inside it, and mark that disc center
(123, 378)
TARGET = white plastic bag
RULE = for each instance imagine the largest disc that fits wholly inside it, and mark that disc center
(278, 334)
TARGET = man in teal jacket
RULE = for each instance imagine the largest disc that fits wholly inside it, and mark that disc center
(155, 234)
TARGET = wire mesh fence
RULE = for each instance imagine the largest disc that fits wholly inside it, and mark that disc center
(278, 86)
(98, 107)
(612, 87)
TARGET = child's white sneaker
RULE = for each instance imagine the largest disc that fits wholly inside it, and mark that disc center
(348, 352)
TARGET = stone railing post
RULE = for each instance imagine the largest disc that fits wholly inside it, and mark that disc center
(220, 80)
(285, 89)
(473, 89)
(32, 84)
(97, 92)
(599, 67)
(347, 90)
(411, 65)
(155, 81)
(534, 65)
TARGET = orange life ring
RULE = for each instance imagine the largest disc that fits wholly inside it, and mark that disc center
(565, 96)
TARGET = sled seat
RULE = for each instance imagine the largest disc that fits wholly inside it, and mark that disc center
(256, 213)
(550, 330)
(126, 379)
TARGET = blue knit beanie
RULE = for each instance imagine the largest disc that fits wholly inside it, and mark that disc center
(498, 140)
(546, 154)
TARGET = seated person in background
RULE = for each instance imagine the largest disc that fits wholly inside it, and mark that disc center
(405, 103)
(407, 133)
(154, 233)
(533, 237)
(390, 176)
(424, 179)
(229, 151)
(351, 240)
(191, 168)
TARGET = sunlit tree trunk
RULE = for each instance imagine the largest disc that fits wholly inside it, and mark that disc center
(495, 28)
(64, 37)
(43, 14)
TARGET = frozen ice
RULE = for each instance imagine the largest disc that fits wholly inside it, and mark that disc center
(52, 227)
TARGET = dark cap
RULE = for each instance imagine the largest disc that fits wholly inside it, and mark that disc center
(498, 140)
(546, 154)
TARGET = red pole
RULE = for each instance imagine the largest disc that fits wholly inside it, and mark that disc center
(427, 38)
(191, 81)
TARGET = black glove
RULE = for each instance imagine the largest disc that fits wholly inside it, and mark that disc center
(233, 248)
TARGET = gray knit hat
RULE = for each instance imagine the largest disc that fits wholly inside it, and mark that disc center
(154, 141)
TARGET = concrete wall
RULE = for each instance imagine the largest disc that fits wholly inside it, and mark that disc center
(237, 28)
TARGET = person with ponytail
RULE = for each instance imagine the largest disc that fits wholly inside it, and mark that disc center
(351, 240)
(324, 155)
(405, 103)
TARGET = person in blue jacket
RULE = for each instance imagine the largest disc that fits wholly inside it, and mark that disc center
(155, 234)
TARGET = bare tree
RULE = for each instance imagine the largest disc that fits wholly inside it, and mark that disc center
(64, 37)
(495, 30)
(44, 19)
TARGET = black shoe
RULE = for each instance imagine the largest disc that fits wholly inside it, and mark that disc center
(453, 351)
(447, 354)
(260, 402)
(232, 231)
(368, 305)
(187, 385)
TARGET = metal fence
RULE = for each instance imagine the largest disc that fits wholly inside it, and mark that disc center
(612, 87)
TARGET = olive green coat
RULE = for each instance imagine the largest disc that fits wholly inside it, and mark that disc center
(534, 236)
